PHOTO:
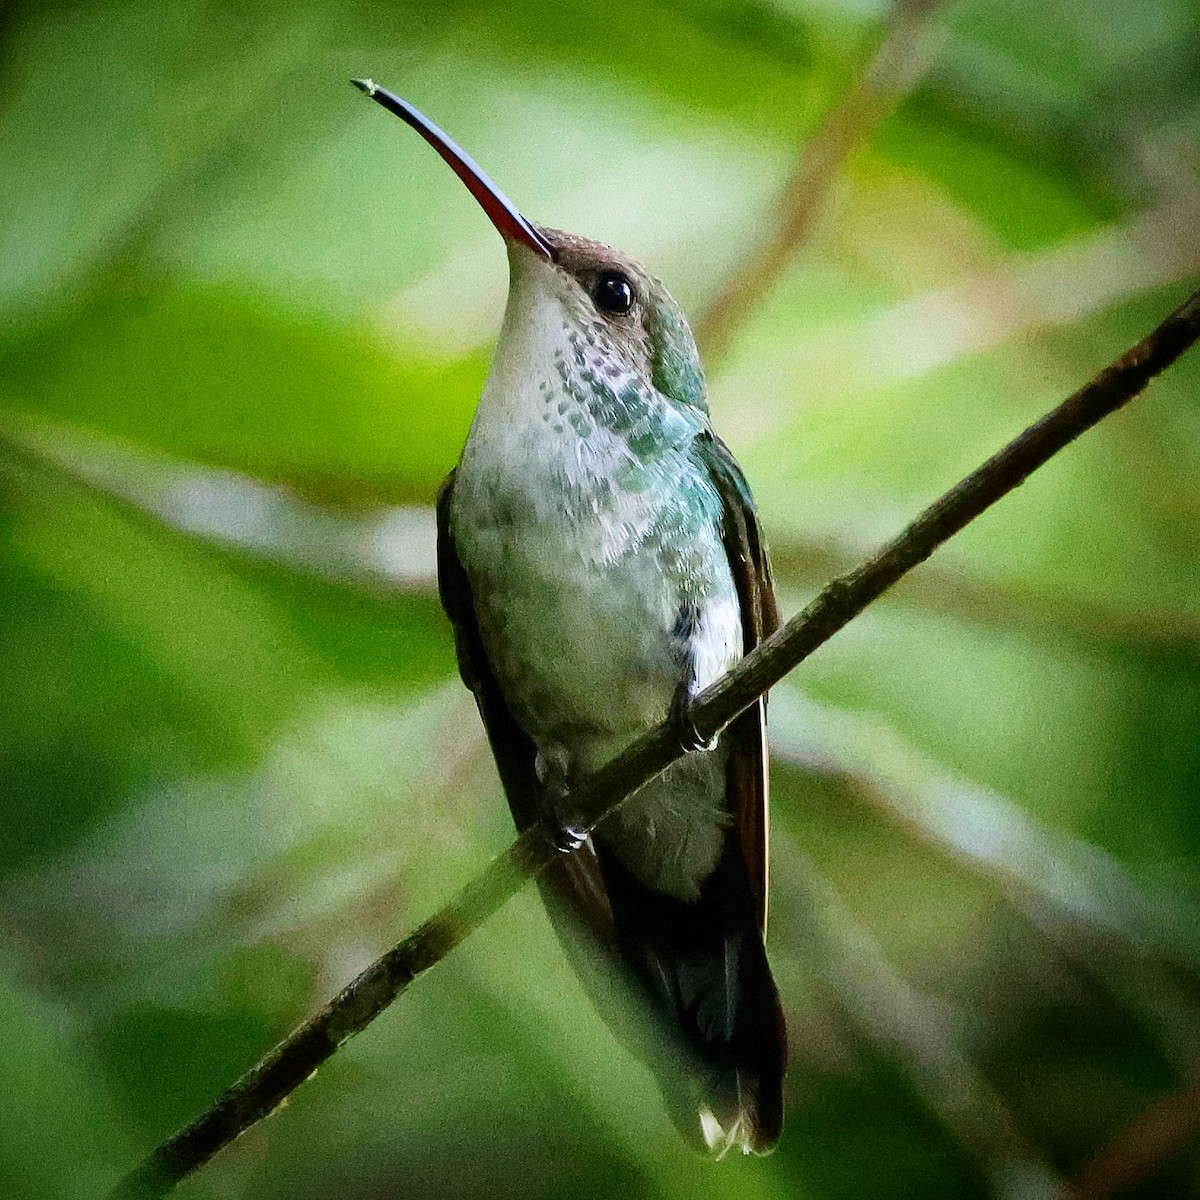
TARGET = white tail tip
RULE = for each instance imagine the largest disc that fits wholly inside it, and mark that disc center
(720, 1140)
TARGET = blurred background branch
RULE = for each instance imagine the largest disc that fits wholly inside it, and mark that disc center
(908, 45)
(1136, 1150)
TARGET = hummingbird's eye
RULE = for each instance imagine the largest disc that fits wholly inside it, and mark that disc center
(613, 293)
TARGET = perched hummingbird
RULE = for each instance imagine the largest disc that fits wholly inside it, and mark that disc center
(600, 559)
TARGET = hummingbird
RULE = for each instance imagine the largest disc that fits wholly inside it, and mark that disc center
(601, 562)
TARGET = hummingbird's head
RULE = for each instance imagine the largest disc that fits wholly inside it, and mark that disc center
(597, 316)
(610, 316)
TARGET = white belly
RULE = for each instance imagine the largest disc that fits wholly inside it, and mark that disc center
(578, 589)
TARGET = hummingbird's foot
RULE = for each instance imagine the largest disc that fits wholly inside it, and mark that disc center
(563, 833)
(562, 829)
(680, 720)
(566, 839)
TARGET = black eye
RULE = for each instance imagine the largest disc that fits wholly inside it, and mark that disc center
(613, 292)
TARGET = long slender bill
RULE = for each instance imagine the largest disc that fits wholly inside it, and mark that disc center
(499, 208)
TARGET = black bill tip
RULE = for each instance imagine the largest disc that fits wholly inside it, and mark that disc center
(500, 209)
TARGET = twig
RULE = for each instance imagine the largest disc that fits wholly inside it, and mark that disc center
(262, 1088)
(897, 64)
(1035, 611)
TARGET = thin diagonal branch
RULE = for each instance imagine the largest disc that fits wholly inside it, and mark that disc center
(899, 62)
(265, 1085)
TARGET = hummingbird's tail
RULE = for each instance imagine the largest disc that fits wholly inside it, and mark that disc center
(705, 969)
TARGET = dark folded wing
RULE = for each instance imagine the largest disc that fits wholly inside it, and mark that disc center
(746, 788)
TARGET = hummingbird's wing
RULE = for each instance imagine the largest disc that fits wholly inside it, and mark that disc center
(701, 961)
(746, 788)
(573, 879)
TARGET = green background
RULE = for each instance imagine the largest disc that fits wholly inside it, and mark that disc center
(244, 318)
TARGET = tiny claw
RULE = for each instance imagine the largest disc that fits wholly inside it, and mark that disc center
(565, 838)
(562, 831)
(680, 719)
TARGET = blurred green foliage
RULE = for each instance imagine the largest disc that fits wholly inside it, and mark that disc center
(243, 323)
